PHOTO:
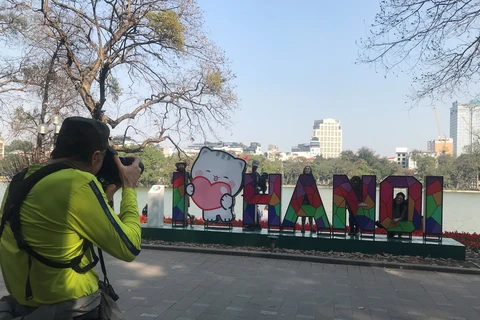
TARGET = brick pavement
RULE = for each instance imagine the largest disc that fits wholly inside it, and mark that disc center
(178, 285)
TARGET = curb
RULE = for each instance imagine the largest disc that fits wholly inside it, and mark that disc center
(318, 259)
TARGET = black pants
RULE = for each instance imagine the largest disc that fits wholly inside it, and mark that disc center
(352, 221)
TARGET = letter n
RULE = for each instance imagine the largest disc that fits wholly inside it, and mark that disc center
(180, 198)
(414, 199)
(273, 199)
(306, 202)
(344, 195)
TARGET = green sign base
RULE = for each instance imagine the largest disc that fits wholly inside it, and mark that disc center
(447, 248)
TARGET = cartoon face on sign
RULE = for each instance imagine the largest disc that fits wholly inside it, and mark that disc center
(216, 178)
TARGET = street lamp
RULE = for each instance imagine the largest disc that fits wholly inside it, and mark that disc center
(42, 129)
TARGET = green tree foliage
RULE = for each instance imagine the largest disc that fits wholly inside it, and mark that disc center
(158, 168)
(11, 164)
(448, 169)
(426, 165)
(168, 28)
(19, 145)
(458, 173)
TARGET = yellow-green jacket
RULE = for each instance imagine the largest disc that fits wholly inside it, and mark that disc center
(60, 211)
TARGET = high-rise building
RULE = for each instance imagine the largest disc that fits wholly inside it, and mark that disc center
(329, 134)
(464, 125)
(440, 146)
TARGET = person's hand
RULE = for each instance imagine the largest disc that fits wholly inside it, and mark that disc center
(395, 222)
(129, 174)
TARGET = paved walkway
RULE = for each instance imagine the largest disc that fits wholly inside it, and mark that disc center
(177, 285)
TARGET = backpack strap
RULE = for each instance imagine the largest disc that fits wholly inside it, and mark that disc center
(18, 191)
(8, 202)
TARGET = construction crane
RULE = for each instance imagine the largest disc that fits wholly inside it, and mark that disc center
(443, 151)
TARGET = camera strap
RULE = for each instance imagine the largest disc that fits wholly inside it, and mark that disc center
(17, 192)
(105, 284)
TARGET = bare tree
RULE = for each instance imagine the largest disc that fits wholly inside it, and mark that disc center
(437, 42)
(12, 78)
(33, 86)
(138, 58)
(40, 92)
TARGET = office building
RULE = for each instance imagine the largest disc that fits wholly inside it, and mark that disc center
(402, 156)
(440, 146)
(464, 125)
(329, 134)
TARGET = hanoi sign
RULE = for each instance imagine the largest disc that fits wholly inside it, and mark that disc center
(217, 177)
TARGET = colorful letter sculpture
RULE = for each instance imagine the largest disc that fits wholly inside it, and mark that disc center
(306, 202)
(414, 203)
(180, 199)
(273, 199)
(344, 195)
(433, 220)
(216, 178)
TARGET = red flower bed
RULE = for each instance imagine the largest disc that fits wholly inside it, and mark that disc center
(470, 240)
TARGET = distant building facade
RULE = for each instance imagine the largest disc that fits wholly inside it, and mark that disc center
(402, 156)
(123, 141)
(254, 148)
(234, 148)
(440, 146)
(464, 125)
(329, 134)
(301, 150)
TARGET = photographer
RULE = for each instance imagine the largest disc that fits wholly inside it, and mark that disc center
(46, 256)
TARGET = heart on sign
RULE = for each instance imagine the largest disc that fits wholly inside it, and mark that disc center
(207, 195)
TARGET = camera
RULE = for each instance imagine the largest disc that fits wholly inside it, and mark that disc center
(109, 174)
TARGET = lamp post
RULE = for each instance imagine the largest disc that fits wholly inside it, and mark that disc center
(56, 123)
(43, 130)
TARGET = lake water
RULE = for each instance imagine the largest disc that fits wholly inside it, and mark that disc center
(461, 209)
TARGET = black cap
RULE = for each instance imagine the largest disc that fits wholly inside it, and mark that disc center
(80, 135)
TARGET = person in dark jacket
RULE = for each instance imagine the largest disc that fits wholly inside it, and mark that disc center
(399, 213)
(357, 187)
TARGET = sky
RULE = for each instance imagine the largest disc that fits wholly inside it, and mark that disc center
(295, 63)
